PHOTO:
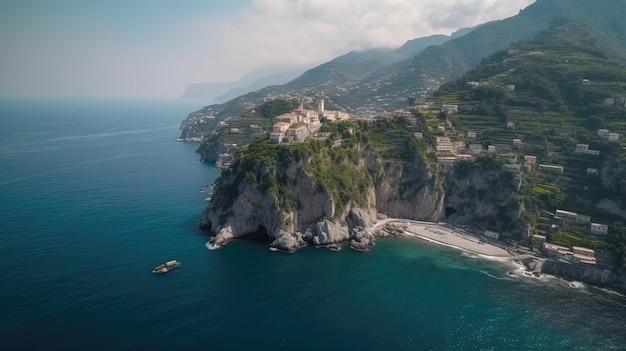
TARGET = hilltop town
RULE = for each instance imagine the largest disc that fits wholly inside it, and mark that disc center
(526, 149)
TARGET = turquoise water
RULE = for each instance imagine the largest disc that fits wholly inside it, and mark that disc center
(96, 193)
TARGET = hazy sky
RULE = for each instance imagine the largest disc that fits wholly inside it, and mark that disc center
(155, 48)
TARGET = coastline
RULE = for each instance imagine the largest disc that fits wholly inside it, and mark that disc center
(446, 236)
(449, 237)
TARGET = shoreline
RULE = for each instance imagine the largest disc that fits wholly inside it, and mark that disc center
(450, 237)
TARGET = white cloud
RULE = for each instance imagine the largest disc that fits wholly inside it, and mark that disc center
(308, 32)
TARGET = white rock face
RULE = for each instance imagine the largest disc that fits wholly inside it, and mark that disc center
(307, 213)
(314, 203)
(327, 232)
(288, 242)
(409, 191)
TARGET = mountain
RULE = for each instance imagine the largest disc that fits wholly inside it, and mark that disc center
(370, 82)
(333, 76)
(273, 79)
(559, 99)
(348, 67)
(545, 108)
(223, 91)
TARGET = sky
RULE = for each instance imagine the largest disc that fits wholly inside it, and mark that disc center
(156, 48)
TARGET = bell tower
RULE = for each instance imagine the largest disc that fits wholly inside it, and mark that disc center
(320, 106)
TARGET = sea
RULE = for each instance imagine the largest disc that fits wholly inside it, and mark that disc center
(95, 193)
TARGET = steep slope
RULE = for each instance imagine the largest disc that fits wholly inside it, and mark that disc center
(328, 190)
(560, 98)
(272, 79)
(333, 78)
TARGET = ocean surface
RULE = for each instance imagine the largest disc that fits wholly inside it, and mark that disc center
(95, 193)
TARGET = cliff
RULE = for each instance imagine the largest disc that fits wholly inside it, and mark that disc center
(280, 193)
(323, 192)
(409, 190)
(483, 192)
(605, 278)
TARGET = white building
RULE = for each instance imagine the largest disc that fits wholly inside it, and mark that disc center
(584, 149)
(613, 137)
(593, 171)
(598, 229)
(471, 135)
(603, 133)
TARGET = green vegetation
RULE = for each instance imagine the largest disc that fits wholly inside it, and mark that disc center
(241, 130)
(340, 172)
(552, 94)
(570, 237)
(337, 170)
(393, 138)
(274, 108)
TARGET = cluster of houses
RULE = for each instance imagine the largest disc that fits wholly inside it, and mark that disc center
(448, 151)
(607, 135)
(584, 149)
(577, 254)
(602, 133)
(300, 123)
(568, 217)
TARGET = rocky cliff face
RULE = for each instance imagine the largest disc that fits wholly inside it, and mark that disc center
(286, 203)
(482, 192)
(615, 280)
(241, 206)
(407, 189)
(612, 176)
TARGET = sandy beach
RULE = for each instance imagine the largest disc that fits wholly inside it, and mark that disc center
(454, 238)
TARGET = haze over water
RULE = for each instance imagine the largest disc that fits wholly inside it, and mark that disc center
(96, 193)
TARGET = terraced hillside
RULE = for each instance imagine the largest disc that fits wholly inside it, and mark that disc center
(563, 91)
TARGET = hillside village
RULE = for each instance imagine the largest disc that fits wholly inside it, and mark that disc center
(300, 123)
(561, 142)
(451, 144)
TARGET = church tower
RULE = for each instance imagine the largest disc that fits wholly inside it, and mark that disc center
(320, 107)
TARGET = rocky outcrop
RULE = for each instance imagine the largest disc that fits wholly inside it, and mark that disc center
(615, 280)
(407, 190)
(284, 202)
(241, 206)
(612, 176)
(214, 150)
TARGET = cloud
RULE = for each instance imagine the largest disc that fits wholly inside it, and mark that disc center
(271, 33)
